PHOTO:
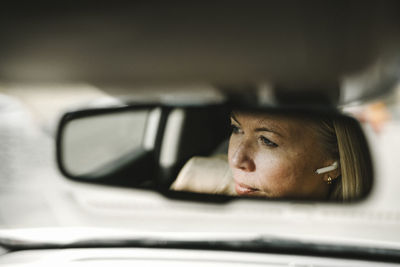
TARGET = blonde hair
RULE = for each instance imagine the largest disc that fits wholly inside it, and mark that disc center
(345, 141)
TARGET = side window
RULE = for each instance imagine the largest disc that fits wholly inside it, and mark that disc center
(93, 142)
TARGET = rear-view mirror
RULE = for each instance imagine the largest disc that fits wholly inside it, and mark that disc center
(218, 150)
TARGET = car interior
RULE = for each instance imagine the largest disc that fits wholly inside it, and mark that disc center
(93, 184)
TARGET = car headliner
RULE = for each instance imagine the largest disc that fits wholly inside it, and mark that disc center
(307, 45)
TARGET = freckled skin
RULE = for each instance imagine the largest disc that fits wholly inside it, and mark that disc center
(283, 171)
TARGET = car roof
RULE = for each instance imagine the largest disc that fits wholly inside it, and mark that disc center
(306, 46)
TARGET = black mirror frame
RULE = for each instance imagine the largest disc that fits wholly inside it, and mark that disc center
(192, 196)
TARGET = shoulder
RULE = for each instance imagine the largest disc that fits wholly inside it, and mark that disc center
(206, 175)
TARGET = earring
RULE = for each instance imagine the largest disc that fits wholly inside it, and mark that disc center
(329, 181)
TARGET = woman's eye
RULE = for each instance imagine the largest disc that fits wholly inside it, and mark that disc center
(235, 129)
(267, 142)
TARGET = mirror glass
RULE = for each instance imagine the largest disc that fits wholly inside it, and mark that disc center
(273, 154)
(92, 142)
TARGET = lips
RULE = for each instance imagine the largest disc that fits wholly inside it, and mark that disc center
(242, 189)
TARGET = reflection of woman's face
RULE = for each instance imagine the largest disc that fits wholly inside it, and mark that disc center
(276, 156)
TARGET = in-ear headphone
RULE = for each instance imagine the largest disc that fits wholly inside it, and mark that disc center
(327, 169)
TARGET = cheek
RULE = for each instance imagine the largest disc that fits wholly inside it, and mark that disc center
(274, 173)
(285, 175)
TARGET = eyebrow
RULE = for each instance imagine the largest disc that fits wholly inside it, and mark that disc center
(259, 129)
(264, 129)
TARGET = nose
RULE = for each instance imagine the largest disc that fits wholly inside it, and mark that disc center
(242, 158)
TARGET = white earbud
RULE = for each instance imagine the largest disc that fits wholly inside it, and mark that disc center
(327, 169)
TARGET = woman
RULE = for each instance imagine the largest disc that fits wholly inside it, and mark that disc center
(286, 156)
